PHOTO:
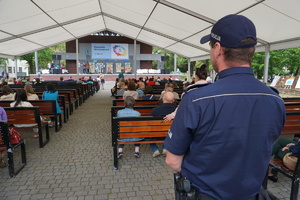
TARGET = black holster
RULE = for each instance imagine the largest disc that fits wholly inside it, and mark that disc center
(184, 189)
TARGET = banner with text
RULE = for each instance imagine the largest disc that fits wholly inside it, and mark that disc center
(109, 51)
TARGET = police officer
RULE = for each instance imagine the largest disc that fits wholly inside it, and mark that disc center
(222, 136)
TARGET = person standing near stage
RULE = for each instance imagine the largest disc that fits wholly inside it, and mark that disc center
(121, 74)
(222, 135)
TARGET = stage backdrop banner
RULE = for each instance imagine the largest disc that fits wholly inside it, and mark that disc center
(119, 51)
(101, 50)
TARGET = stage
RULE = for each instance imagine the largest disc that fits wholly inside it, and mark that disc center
(107, 77)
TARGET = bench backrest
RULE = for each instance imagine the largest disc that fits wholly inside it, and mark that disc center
(144, 110)
(138, 102)
(46, 107)
(292, 107)
(23, 115)
(292, 124)
(291, 99)
(139, 127)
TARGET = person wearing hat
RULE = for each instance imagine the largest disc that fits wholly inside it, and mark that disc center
(222, 135)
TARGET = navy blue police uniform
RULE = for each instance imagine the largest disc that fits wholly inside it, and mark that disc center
(226, 131)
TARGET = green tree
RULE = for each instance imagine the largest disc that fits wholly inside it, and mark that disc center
(3, 61)
(44, 56)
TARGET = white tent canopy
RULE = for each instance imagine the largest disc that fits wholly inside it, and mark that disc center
(175, 26)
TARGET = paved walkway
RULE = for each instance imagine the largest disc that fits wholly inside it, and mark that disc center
(77, 164)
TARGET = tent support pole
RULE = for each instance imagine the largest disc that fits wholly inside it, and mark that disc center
(266, 67)
(77, 60)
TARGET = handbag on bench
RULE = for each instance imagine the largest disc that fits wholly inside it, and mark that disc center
(290, 161)
(15, 136)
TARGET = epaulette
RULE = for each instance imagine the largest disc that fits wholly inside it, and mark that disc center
(195, 86)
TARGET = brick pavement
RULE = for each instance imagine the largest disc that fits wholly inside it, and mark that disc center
(77, 164)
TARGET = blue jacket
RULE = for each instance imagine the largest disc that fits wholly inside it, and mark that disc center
(48, 95)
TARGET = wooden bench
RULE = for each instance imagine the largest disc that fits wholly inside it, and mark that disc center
(291, 126)
(28, 115)
(144, 110)
(47, 108)
(139, 102)
(138, 127)
(121, 97)
(5, 141)
(291, 100)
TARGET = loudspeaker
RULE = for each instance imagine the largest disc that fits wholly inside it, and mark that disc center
(53, 57)
(58, 57)
(162, 58)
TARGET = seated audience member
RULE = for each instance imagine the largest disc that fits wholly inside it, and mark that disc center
(141, 84)
(70, 79)
(175, 85)
(166, 108)
(14, 80)
(3, 81)
(21, 101)
(121, 88)
(114, 89)
(10, 81)
(8, 93)
(37, 82)
(148, 93)
(90, 79)
(51, 94)
(19, 82)
(169, 89)
(131, 91)
(3, 149)
(79, 81)
(200, 78)
(30, 93)
(61, 81)
(28, 82)
(150, 81)
(280, 148)
(128, 111)
(139, 91)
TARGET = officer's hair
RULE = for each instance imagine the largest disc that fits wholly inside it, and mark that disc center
(238, 55)
(129, 102)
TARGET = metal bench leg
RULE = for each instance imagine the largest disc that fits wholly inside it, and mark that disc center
(116, 157)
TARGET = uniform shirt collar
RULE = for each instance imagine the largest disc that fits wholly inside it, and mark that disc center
(235, 71)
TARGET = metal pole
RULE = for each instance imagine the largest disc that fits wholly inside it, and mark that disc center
(77, 60)
(175, 63)
(36, 62)
(189, 70)
(266, 67)
(134, 59)
(16, 67)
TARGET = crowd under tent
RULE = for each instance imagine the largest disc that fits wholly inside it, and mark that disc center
(173, 25)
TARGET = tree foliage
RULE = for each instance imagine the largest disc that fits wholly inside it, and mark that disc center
(281, 62)
(3, 61)
(44, 56)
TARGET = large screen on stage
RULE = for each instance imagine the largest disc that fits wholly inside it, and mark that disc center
(109, 51)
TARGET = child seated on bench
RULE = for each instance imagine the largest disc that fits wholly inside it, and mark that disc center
(129, 112)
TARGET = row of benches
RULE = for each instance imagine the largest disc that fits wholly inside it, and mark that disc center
(32, 115)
